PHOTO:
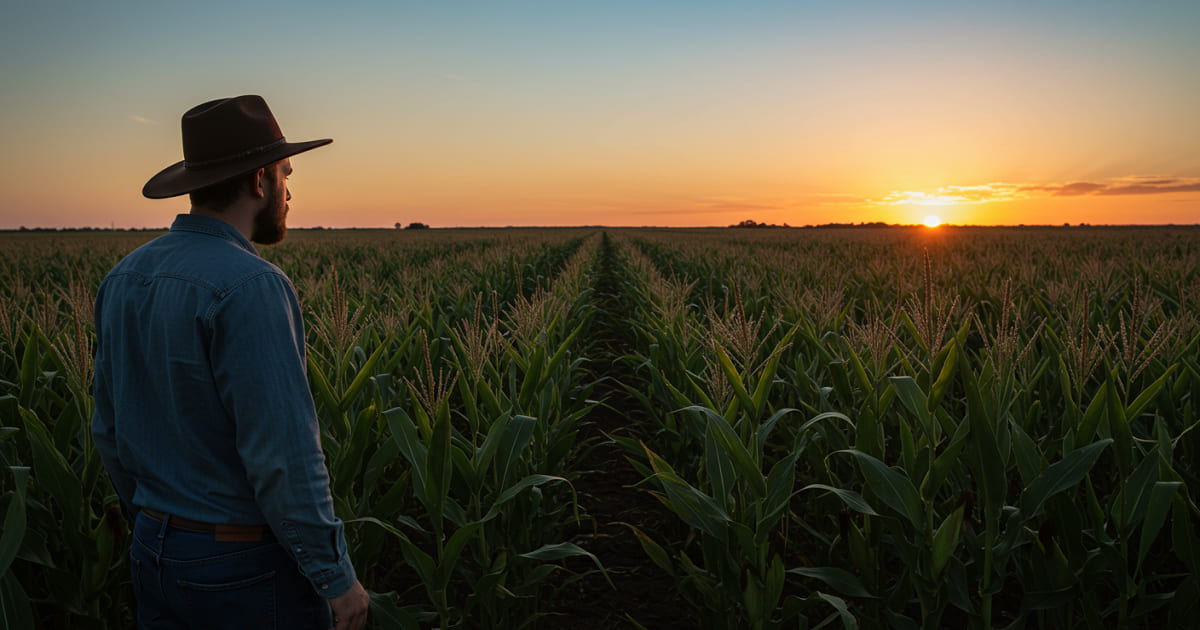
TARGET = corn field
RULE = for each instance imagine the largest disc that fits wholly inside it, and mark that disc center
(855, 428)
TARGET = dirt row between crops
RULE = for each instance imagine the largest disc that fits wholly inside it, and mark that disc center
(641, 594)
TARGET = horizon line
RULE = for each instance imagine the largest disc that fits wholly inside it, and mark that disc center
(809, 226)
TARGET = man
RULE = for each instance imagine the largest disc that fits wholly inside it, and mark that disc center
(203, 414)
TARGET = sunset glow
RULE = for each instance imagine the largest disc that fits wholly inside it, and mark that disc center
(932, 221)
(661, 113)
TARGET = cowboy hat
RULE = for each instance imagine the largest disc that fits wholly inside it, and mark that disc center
(221, 140)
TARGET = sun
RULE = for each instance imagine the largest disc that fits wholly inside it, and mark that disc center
(932, 221)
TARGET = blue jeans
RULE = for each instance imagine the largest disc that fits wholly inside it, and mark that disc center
(185, 580)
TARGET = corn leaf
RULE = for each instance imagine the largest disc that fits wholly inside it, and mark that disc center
(447, 560)
(694, 507)
(1156, 514)
(389, 614)
(52, 471)
(31, 361)
(653, 550)
(990, 466)
(766, 376)
(534, 375)
(840, 580)
(1129, 505)
(945, 463)
(513, 441)
(741, 458)
(566, 550)
(387, 527)
(719, 470)
(1029, 460)
(945, 540)
(15, 610)
(1059, 476)
(1184, 542)
(893, 488)
(438, 465)
(1118, 426)
(487, 451)
(1144, 399)
(14, 520)
(915, 401)
(828, 415)
(516, 489)
(840, 376)
(773, 587)
(735, 379)
(1093, 415)
(404, 434)
(360, 379)
(843, 611)
(852, 499)
(320, 385)
(946, 376)
(780, 482)
(1184, 603)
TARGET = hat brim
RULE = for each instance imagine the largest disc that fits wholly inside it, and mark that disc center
(177, 179)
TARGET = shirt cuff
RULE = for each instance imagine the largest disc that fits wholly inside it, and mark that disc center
(329, 577)
(331, 583)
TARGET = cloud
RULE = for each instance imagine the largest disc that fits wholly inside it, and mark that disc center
(142, 119)
(1075, 189)
(1153, 186)
(989, 193)
(953, 195)
(1141, 185)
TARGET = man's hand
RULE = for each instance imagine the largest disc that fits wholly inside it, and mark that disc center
(350, 609)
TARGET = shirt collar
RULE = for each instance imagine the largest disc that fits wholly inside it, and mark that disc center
(213, 227)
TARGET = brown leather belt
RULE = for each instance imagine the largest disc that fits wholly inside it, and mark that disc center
(219, 532)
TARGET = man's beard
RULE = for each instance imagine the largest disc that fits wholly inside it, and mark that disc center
(270, 224)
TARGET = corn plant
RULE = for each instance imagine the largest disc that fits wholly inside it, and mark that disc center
(962, 501)
(871, 428)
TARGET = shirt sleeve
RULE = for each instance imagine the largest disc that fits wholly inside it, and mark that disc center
(104, 423)
(258, 360)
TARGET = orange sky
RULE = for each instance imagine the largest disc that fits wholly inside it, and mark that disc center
(623, 114)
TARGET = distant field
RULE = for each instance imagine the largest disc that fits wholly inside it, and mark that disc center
(880, 427)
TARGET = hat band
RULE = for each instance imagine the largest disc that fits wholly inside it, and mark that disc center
(237, 156)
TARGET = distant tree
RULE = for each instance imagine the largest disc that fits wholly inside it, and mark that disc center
(398, 226)
(416, 225)
(751, 223)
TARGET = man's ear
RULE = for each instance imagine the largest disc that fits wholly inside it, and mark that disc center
(258, 186)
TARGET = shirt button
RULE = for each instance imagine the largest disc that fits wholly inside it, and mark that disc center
(325, 587)
(299, 549)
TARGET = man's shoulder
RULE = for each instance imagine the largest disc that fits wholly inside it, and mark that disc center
(215, 262)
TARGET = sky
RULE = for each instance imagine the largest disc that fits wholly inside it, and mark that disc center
(619, 113)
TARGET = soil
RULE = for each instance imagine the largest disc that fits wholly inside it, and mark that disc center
(642, 594)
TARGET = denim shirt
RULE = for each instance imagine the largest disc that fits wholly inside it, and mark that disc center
(203, 409)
